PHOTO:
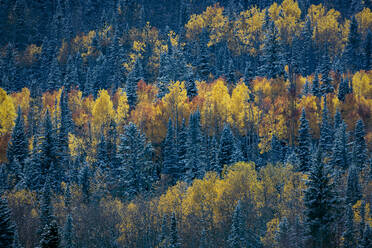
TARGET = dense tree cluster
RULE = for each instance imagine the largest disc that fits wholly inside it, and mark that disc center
(185, 123)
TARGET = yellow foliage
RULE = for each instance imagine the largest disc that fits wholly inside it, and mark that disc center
(271, 229)
(364, 19)
(75, 145)
(7, 113)
(362, 84)
(122, 110)
(22, 99)
(172, 200)
(102, 112)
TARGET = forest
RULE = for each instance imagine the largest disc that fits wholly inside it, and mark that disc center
(184, 123)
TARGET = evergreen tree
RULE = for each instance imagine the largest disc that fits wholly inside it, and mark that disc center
(195, 155)
(65, 128)
(50, 236)
(18, 145)
(84, 181)
(135, 172)
(367, 52)
(303, 148)
(174, 240)
(202, 63)
(343, 90)
(182, 147)
(315, 89)
(191, 88)
(337, 120)
(349, 234)
(275, 152)
(319, 202)
(324, 69)
(283, 234)
(164, 234)
(170, 156)
(297, 234)
(6, 225)
(306, 52)
(360, 156)
(54, 80)
(366, 239)
(16, 243)
(101, 155)
(351, 55)
(134, 76)
(227, 148)
(237, 232)
(213, 156)
(46, 207)
(165, 75)
(71, 76)
(340, 152)
(248, 73)
(353, 190)
(68, 233)
(326, 139)
(272, 65)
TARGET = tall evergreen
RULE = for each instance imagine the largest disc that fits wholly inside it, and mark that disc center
(303, 148)
(85, 182)
(18, 145)
(202, 63)
(136, 172)
(237, 234)
(326, 139)
(360, 156)
(50, 237)
(340, 153)
(367, 52)
(6, 225)
(343, 90)
(134, 76)
(366, 239)
(174, 240)
(324, 69)
(353, 190)
(351, 54)
(283, 234)
(54, 80)
(227, 148)
(190, 84)
(349, 235)
(170, 156)
(276, 151)
(68, 233)
(272, 64)
(66, 127)
(165, 74)
(315, 89)
(319, 203)
(182, 146)
(46, 207)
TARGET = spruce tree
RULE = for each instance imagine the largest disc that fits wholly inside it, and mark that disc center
(315, 89)
(202, 63)
(272, 65)
(353, 190)
(134, 76)
(297, 234)
(351, 54)
(135, 173)
(174, 240)
(360, 156)
(349, 234)
(303, 148)
(227, 148)
(326, 139)
(66, 127)
(236, 237)
(54, 80)
(343, 90)
(367, 51)
(319, 202)
(283, 235)
(50, 237)
(165, 75)
(182, 147)
(340, 158)
(7, 227)
(275, 152)
(191, 88)
(18, 145)
(248, 73)
(366, 239)
(46, 207)
(170, 156)
(68, 233)
(324, 69)
(85, 181)
(337, 120)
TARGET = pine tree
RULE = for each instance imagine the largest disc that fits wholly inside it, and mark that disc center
(174, 240)
(227, 148)
(360, 156)
(85, 181)
(326, 139)
(351, 55)
(337, 120)
(65, 128)
(213, 161)
(16, 243)
(349, 233)
(283, 234)
(71, 76)
(340, 151)
(319, 202)
(135, 172)
(315, 89)
(18, 145)
(54, 80)
(367, 52)
(248, 73)
(164, 233)
(202, 63)
(343, 89)
(275, 152)
(68, 233)
(170, 156)
(46, 207)
(134, 76)
(353, 190)
(195, 156)
(297, 234)
(101, 155)
(324, 69)
(50, 236)
(303, 148)
(366, 239)
(237, 232)
(271, 60)
(6, 225)
(306, 53)
(165, 75)
(191, 88)
(182, 147)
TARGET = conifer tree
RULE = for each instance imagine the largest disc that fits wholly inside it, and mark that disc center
(85, 181)
(54, 80)
(101, 155)
(165, 75)
(6, 225)
(16, 243)
(227, 148)
(324, 69)
(337, 120)
(135, 172)
(366, 240)
(174, 240)
(182, 147)
(134, 76)
(202, 63)
(275, 153)
(46, 207)
(326, 139)
(213, 160)
(340, 151)
(237, 232)
(191, 88)
(65, 128)
(50, 237)
(360, 156)
(303, 148)
(367, 52)
(315, 89)
(68, 233)
(297, 234)
(343, 90)
(353, 190)
(319, 202)
(349, 234)
(170, 156)
(283, 234)
(17, 146)
(351, 55)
